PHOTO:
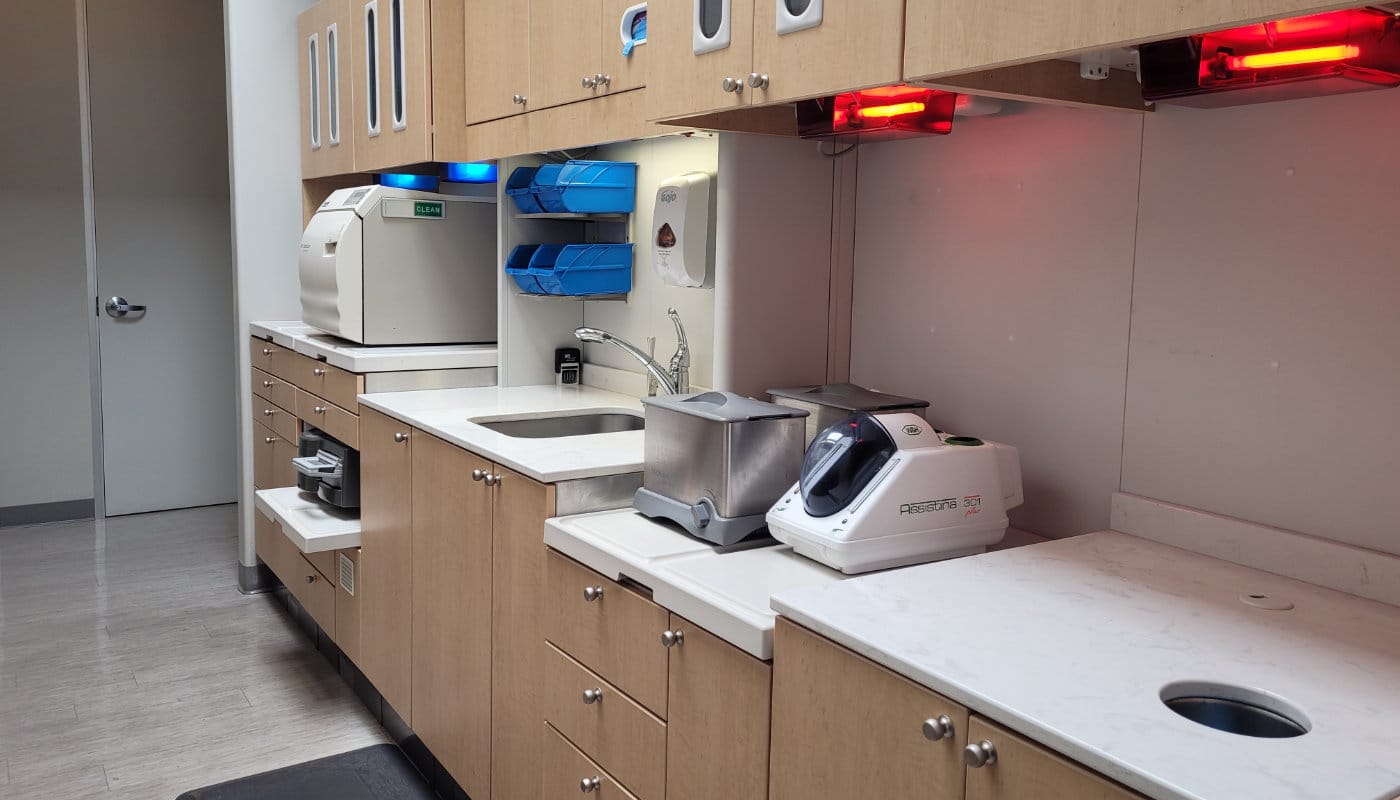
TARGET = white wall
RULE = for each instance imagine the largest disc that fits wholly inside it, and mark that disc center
(998, 271)
(265, 179)
(993, 278)
(45, 401)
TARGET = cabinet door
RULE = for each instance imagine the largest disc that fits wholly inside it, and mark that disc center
(451, 609)
(624, 72)
(844, 726)
(393, 84)
(347, 603)
(386, 541)
(565, 41)
(717, 730)
(682, 82)
(497, 59)
(809, 48)
(1023, 770)
(520, 507)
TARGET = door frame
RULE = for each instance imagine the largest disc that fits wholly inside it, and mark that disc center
(99, 472)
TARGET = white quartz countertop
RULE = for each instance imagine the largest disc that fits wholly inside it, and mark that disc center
(726, 591)
(448, 414)
(1071, 642)
(353, 357)
(313, 526)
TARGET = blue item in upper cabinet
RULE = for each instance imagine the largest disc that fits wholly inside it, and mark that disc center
(520, 188)
(425, 183)
(591, 269)
(472, 172)
(518, 267)
(589, 187)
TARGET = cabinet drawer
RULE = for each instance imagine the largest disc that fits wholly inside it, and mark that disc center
(265, 533)
(347, 603)
(272, 459)
(325, 563)
(261, 353)
(274, 389)
(281, 420)
(606, 725)
(329, 417)
(311, 589)
(566, 769)
(617, 634)
(323, 380)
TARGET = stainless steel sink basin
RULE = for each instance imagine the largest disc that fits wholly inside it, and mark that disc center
(564, 426)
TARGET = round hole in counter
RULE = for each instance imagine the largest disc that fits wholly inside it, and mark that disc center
(1236, 709)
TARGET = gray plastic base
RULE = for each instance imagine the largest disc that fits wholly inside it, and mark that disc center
(700, 519)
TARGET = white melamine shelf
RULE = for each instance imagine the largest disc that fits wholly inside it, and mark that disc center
(313, 526)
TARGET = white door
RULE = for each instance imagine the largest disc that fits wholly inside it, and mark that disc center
(162, 227)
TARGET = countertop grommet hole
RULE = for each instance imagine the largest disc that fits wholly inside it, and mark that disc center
(1235, 709)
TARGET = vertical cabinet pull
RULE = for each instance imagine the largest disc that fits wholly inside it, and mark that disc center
(313, 78)
(397, 82)
(333, 83)
(372, 65)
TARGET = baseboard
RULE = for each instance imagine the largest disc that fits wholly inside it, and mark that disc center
(256, 579)
(39, 513)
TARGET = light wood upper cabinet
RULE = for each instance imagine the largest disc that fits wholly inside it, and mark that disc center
(565, 51)
(386, 565)
(327, 102)
(451, 615)
(844, 726)
(519, 508)
(497, 58)
(392, 80)
(945, 37)
(682, 82)
(1023, 770)
(809, 48)
(718, 727)
(624, 72)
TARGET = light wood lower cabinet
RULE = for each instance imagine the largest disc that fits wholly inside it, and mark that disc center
(386, 548)
(348, 636)
(1023, 770)
(519, 508)
(451, 613)
(717, 734)
(844, 726)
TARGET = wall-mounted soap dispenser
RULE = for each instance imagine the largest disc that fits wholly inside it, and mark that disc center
(682, 230)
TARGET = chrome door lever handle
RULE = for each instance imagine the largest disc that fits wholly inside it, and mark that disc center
(117, 307)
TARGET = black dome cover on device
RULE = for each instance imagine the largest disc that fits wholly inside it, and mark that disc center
(842, 461)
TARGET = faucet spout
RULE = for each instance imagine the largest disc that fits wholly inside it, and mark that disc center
(657, 372)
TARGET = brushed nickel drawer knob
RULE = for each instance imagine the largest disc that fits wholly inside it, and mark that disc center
(269, 439)
(267, 351)
(602, 80)
(269, 384)
(733, 85)
(758, 80)
(318, 409)
(318, 372)
(592, 784)
(937, 728)
(310, 578)
(400, 437)
(673, 638)
(592, 593)
(590, 82)
(492, 480)
(591, 696)
(980, 754)
(267, 412)
(478, 474)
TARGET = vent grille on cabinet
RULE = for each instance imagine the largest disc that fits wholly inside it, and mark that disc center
(347, 574)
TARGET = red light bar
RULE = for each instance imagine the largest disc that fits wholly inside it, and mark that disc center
(1294, 58)
(892, 110)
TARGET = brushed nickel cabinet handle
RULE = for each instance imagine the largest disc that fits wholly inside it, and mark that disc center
(400, 437)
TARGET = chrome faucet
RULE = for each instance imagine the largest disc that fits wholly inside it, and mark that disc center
(675, 380)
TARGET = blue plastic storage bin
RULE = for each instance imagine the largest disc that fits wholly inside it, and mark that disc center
(588, 187)
(579, 270)
(519, 187)
(545, 188)
(542, 268)
(518, 267)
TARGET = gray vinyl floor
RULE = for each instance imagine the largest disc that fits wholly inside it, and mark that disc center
(131, 667)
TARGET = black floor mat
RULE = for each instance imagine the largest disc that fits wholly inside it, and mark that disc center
(381, 772)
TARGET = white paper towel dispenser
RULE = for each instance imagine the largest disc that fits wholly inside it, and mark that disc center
(682, 230)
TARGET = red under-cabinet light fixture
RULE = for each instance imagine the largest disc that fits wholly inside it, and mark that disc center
(1331, 53)
(888, 112)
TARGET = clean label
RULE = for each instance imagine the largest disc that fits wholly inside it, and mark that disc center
(428, 208)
